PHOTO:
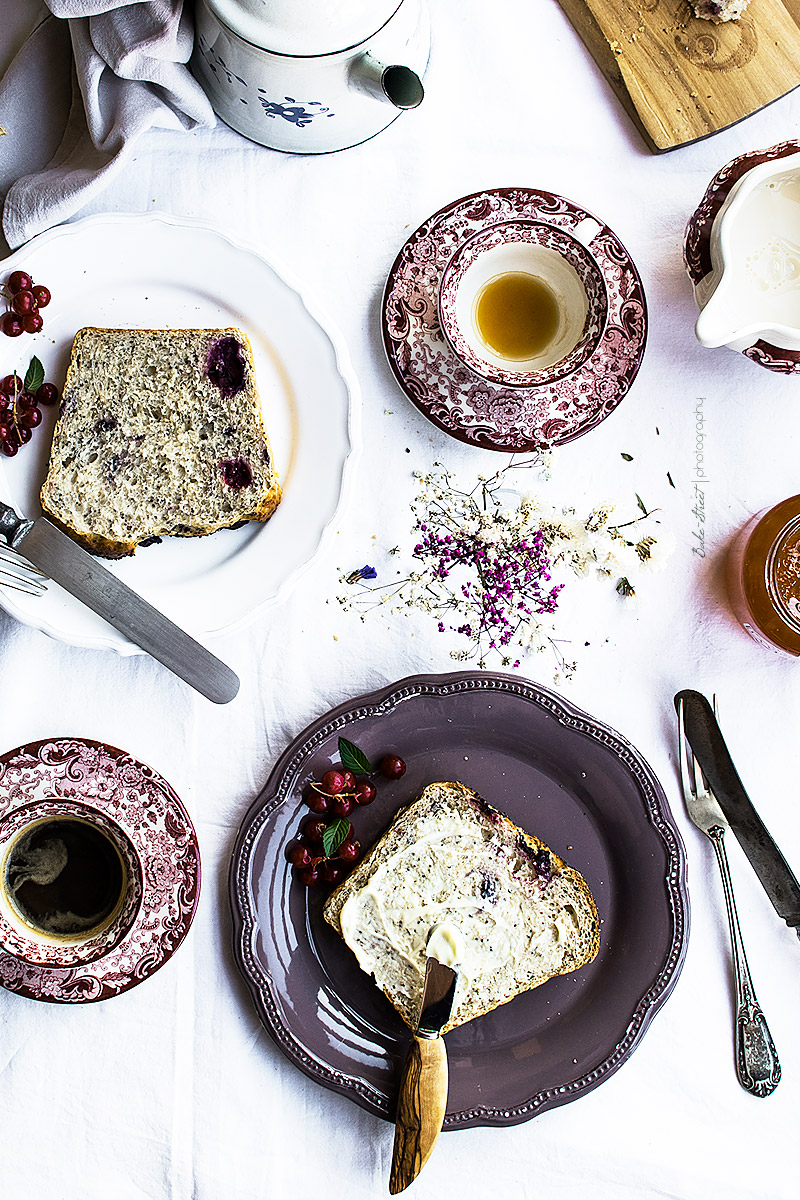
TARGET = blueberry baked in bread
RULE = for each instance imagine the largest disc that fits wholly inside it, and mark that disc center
(516, 913)
(159, 433)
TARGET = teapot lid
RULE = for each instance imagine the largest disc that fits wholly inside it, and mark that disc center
(304, 27)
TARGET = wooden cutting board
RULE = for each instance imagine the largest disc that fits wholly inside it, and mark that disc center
(681, 78)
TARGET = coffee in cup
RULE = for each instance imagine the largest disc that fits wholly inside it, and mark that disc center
(64, 878)
(70, 883)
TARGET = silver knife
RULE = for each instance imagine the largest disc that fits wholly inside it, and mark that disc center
(422, 1101)
(64, 561)
(705, 738)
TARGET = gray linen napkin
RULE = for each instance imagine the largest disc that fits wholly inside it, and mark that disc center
(129, 75)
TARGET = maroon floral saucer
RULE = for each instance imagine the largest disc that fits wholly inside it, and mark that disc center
(697, 244)
(134, 798)
(469, 407)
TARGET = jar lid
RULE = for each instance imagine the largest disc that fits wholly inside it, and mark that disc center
(304, 28)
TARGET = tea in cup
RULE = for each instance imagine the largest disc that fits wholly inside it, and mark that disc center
(524, 303)
(70, 884)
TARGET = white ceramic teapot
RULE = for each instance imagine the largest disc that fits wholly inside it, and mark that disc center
(309, 76)
(753, 291)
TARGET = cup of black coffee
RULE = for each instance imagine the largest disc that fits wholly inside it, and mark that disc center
(70, 883)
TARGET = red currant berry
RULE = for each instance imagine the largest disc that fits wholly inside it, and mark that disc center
(29, 420)
(314, 830)
(47, 395)
(309, 876)
(41, 295)
(23, 302)
(349, 851)
(365, 792)
(11, 385)
(392, 767)
(318, 802)
(24, 434)
(5, 430)
(333, 872)
(32, 322)
(343, 805)
(19, 281)
(333, 782)
(11, 324)
(300, 856)
(25, 402)
(8, 447)
(349, 781)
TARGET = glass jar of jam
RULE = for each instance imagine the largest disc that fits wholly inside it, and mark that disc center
(764, 576)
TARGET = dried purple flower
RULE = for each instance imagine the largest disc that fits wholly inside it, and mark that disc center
(483, 559)
(365, 572)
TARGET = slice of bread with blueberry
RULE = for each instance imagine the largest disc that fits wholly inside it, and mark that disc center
(160, 433)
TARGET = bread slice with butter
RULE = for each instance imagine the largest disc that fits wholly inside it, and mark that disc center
(516, 913)
(159, 433)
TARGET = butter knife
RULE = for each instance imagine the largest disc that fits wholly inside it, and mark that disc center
(64, 561)
(423, 1087)
(705, 738)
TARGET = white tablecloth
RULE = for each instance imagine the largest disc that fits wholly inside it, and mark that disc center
(174, 1089)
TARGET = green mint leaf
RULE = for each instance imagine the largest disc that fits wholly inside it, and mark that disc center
(627, 457)
(353, 759)
(34, 376)
(335, 833)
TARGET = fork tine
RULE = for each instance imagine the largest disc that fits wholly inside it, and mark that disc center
(701, 783)
(18, 585)
(686, 779)
(11, 558)
(22, 576)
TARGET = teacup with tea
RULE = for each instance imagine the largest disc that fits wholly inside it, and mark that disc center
(524, 303)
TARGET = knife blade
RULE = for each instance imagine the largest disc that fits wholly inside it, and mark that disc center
(706, 740)
(68, 564)
(423, 1087)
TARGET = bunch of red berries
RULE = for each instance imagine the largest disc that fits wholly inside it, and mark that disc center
(326, 848)
(25, 298)
(20, 402)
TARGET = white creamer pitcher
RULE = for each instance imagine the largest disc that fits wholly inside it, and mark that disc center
(753, 291)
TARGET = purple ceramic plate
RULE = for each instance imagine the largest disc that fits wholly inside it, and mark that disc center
(556, 772)
(472, 408)
(143, 805)
(697, 244)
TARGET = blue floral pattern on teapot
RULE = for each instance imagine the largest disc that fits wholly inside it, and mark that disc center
(291, 111)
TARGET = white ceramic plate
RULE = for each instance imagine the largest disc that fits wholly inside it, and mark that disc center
(158, 271)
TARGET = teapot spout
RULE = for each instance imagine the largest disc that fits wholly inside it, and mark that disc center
(394, 82)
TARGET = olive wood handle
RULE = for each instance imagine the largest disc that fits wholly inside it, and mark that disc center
(420, 1110)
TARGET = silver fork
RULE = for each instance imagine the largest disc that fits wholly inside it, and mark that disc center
(757, 1066)
(20, 575)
